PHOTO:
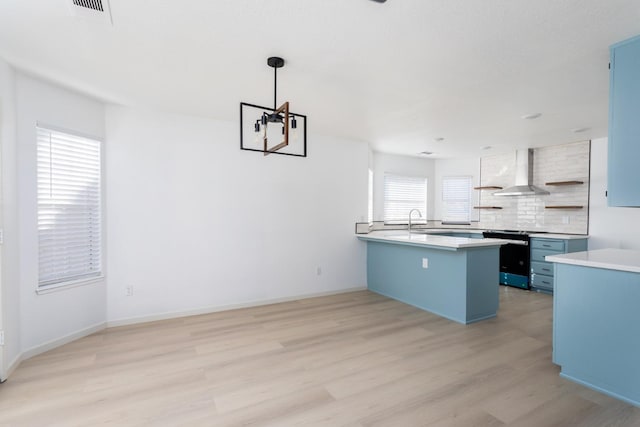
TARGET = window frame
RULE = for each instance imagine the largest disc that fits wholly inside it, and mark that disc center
(423, 208)
(54, 285)
(468, 200)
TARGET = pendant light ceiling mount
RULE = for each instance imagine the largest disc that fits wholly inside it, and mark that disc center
(275, 62)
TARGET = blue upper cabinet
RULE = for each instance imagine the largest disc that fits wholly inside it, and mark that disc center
(624, 124)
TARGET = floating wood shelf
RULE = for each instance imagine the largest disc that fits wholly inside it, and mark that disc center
(564, 207)
(487, 207)
(564, 183)
(488, 187)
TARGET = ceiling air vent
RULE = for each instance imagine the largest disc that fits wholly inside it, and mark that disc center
(92, 9)
(90, 4)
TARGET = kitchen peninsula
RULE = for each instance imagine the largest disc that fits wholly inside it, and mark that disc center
(595, 320)
(453, 277)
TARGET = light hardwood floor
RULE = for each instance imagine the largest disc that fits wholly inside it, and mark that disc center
(355, 359)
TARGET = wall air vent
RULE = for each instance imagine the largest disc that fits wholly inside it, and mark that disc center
(92, 9)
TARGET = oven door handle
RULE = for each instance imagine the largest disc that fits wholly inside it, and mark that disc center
(517, 242)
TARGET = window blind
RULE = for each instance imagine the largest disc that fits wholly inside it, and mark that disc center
(456, 198)
(69, 207)
(401, 194)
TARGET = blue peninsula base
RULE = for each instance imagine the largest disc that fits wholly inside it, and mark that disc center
(459, 284)
(596, 332)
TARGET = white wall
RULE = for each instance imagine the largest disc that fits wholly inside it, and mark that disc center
(194, 223)
(401, 165)
(9, 281)
(50, 317)
(456, 167)
(609, 227)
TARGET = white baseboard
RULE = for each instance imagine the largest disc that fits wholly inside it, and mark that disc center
(49, 345)
(214, 309)
(13, 365)
(34, 351)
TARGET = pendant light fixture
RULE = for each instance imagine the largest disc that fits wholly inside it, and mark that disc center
(280, 118)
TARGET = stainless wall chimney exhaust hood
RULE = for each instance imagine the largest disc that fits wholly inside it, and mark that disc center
(524, 177)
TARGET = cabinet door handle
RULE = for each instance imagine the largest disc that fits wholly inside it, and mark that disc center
(546, 246)
(546, 269)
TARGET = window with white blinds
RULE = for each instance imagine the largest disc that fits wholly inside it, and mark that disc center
(401, 194)
(69, 208)
(456, 199)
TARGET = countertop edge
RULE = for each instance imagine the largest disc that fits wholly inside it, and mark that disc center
(440, 230)
(444, 243)
(598, 259)
(558, 236)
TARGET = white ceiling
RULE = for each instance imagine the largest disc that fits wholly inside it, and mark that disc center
(397, 75)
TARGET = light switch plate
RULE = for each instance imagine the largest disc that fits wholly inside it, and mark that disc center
(425, 262)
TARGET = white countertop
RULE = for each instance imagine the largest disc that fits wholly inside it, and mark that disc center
(431, 240)
(611, 259)
(480, 231)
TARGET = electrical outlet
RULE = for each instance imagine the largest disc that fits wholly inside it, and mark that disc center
(318, 271)
(129, 291)
(425, 262)
(565, 219)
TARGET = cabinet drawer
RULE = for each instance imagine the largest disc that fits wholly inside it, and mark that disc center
(537, 255)
(553, 245)
(541, 281)
(545, 268)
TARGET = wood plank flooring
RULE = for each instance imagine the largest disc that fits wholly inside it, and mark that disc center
(355, 359)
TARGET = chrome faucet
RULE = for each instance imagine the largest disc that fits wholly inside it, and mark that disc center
(410, 213)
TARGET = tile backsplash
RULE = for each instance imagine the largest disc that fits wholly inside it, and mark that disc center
(568, 162)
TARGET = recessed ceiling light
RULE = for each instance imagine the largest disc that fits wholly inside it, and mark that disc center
(579, 130)
(438, 139)
(531, 116)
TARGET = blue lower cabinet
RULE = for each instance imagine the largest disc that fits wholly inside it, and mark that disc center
(544, 268)
(542, 275)
(549, 244)
(542, 281)
(537, 255)
(458, 284)
(596, 333)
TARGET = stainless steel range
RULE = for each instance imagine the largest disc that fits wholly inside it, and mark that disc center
(514, 257)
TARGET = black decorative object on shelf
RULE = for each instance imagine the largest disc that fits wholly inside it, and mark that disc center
(279, 124)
